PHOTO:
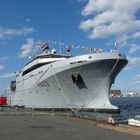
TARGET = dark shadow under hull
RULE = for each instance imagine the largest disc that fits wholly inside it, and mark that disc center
(79, 110)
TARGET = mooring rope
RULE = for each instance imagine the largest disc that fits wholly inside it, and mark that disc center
(60, 88)
(109, 74)
(24, 95)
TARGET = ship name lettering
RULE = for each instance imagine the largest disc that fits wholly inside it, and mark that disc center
(43, 84)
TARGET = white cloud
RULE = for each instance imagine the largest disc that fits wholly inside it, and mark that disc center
(113, 17)
(82, 0)
(4, 58)
(138, 75)
(1, 67)
(7, 75)
(133, 48)
(19, 16)
(136, 35)
(129, 85)
(7, 32)
(134, 85)
(133, 62)
(28, 20)
(26, 48)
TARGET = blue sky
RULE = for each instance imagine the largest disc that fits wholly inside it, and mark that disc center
(92, 23)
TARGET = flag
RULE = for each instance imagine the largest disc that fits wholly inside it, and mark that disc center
(86, 49)
(96, 50)
(45, 46)
(90, 50)
(68, 49)
(100, 50)
(116, 47)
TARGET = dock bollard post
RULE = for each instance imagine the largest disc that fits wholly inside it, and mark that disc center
(53, 112)
(32, 111)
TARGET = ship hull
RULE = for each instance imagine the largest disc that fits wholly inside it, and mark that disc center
(79, 85)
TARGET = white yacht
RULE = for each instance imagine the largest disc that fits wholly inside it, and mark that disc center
(134, 121)
(62, 82)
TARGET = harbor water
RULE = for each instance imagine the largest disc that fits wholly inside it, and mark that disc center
(129, 108)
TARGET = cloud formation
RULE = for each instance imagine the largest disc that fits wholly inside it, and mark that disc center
(4, 58)
(136, 35)
(1, 67)
(7, 75)
(26, 48)
(113, 17)
(28, 20)
(9, 32)
(133, 48)
(133, 62)
(138, 75)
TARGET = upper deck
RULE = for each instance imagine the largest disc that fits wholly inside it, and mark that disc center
(50, 57)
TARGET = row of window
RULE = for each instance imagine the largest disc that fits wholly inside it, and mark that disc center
(34, 68)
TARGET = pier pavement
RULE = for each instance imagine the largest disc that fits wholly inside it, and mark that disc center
(52, 127)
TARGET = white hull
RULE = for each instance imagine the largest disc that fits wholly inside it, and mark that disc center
(52, 86)
(134, 122)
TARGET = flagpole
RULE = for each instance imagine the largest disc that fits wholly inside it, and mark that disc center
(116, 47)
(60, 44)
(60, 49)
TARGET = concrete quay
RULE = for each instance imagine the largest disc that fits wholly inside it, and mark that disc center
(55, 127)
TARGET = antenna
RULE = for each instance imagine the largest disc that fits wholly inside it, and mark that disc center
(60, 46)
(59, 42)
